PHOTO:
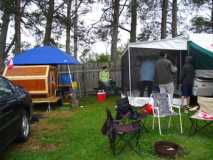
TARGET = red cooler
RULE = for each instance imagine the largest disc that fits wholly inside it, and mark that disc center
(101, 96)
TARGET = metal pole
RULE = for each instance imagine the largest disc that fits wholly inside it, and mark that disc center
(79, 85)
(130, 79)
(70, 79)
(180, 67)
(69, 73)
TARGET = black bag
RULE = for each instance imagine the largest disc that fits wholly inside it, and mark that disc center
(123, 107)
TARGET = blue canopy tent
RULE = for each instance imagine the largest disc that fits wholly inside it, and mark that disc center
(45, 55)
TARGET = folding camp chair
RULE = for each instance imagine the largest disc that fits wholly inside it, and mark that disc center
(163, 108)
(204, 114)
(116, 131)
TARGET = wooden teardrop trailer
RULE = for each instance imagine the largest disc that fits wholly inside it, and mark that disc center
(39, 80)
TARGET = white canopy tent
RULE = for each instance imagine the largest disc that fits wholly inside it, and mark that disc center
(178, 44)
(174, 44)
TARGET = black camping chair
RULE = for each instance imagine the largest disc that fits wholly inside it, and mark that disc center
(121, 134)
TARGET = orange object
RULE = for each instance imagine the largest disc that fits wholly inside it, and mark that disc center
(101, 96)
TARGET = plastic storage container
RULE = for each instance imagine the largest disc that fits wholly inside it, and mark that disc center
(64, 79)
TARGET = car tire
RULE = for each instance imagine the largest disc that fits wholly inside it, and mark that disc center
(24, 127)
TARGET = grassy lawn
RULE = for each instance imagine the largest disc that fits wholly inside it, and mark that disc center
(74, 134)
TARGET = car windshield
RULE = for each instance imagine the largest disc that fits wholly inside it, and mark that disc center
(5, 89)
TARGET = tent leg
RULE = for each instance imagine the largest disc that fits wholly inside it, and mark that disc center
(130, 78)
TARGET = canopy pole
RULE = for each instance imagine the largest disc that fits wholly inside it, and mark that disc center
(180, 67)
(188, 48)
(79, 85)
(69, 73)
(130, 79)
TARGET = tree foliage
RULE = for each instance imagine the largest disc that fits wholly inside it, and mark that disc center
(142, 21)
(201, 24)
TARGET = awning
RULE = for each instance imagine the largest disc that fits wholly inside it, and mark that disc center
(203, 41)
(178, 43)
(200, 46)
(44, 55)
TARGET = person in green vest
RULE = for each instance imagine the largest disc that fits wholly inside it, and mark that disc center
(104, 78)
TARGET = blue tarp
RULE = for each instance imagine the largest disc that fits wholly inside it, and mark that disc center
(44, 55)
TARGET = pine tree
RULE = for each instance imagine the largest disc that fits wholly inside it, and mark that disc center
(49, 18)
(17, 26)
(164, 18)
(133, 20)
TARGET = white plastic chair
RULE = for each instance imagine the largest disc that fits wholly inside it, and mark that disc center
(163, 108)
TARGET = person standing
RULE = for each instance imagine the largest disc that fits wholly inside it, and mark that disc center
(187, 78)
(164, 75)
(147, 73)
(104, 79)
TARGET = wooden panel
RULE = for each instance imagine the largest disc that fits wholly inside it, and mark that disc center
(32, 85)
(26, 71)
(51, 99)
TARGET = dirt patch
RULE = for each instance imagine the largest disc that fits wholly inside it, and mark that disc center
(34, 144)
(43, 127)
(61, 114)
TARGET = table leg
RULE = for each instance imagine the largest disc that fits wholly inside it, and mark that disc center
(195, 127)
(48, 107)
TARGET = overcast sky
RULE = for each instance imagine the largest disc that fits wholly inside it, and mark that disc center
(94, 16)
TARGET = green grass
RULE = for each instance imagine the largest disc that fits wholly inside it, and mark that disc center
(79, 137)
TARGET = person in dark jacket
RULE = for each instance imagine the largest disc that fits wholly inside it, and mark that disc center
(164, 75)
(187, 78)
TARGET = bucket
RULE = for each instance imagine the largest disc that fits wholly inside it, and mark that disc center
(101, 96)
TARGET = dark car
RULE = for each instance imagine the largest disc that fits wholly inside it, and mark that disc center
(15, 113)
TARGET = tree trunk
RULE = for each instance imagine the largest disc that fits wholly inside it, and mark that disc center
(75, 21)
(18, 26)
(133, 21)
(164, 18)
(115, 24)
(49, 17)
(69, 3)
(3, 36)
(174, 18)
